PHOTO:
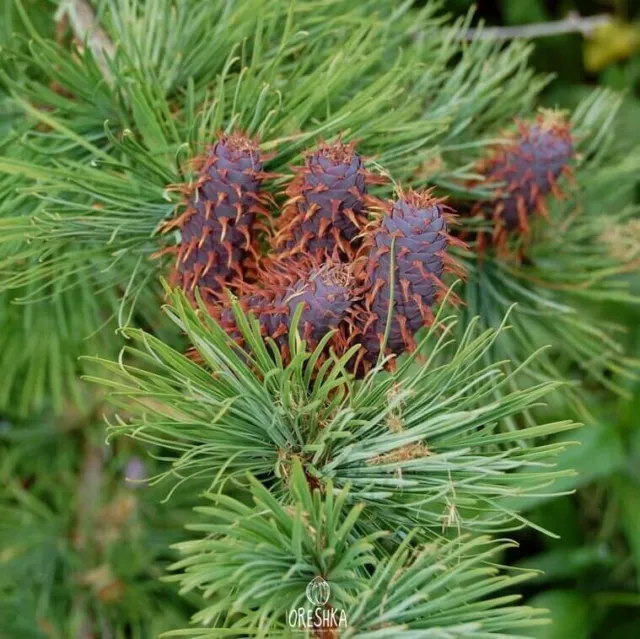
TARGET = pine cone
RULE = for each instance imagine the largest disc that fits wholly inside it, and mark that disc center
(326, 209)
(326, 291)
(417, 221)
(217, 245)
(528, 166)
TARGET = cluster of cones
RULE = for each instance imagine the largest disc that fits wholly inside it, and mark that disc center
(367, 269)
(329, 249)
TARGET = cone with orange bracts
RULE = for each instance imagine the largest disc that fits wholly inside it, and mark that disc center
(327, 204)
(326, 291)
(525, 170)
(217, 247)
(406, 258)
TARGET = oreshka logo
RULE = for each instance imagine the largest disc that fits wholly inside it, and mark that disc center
(320, 615)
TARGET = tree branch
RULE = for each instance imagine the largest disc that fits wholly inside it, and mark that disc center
(82, 19)
(573, 23)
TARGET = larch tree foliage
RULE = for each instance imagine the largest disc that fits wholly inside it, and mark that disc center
(335, 285)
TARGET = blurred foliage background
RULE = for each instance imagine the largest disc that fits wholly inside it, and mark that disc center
(591, 580)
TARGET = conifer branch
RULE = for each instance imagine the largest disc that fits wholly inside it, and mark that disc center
(441, 589)
(573, 23)
(82, 19)
(232, 406)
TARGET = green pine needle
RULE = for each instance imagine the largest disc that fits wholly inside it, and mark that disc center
(421, 446)
(255, 559)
